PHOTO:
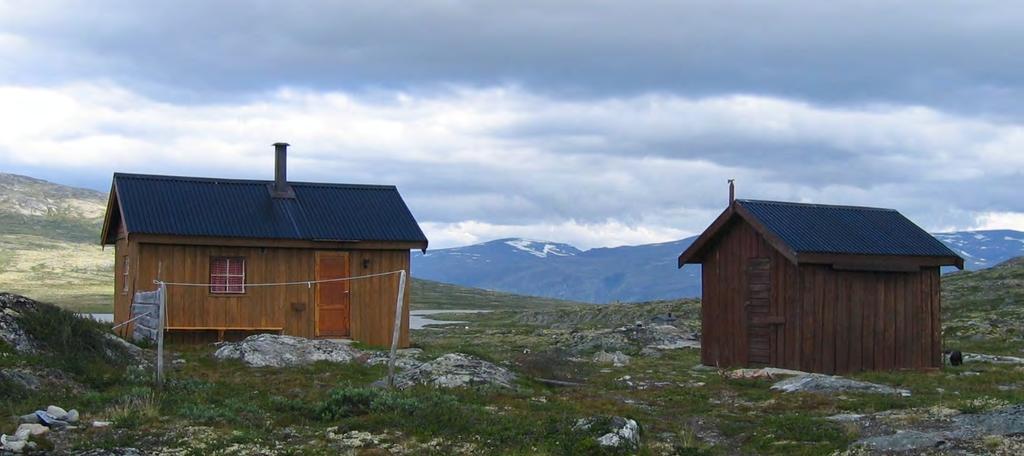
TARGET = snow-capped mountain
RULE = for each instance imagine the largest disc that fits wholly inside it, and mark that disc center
(629, 273)
(984, 249)
(542, 249)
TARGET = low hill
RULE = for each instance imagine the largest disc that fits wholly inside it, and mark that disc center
(35, 207)
(984, 310)
(427, 294)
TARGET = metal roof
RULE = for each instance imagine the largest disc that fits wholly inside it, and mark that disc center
(191, 206)
(819, 228)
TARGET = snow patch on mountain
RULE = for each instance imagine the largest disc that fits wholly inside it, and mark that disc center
(541, 249)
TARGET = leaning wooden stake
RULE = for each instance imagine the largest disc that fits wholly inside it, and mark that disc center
(398, 328)
(162, 312)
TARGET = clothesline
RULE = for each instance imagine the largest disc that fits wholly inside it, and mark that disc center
(279, 284)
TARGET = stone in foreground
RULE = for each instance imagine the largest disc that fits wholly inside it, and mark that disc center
(1003, 421)
(455, 370)
(820, 383)
(271, 350)
(622, 433)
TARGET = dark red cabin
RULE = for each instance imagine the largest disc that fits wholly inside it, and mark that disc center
(819, 288)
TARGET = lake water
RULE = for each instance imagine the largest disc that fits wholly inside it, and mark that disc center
(418, 319)
(101, 317)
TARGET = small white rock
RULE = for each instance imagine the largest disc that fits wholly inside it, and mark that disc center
(56, 412)
(33, 429)
(10, 444)
(72, 416)
(101, 424)
(21, 434)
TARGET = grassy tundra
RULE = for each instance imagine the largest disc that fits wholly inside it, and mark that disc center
(210, 407)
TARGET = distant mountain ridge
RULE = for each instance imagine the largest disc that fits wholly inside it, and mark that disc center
(628, 273)
(43, 223)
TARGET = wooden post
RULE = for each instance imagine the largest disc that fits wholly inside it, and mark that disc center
(398, 328)
(162, 319)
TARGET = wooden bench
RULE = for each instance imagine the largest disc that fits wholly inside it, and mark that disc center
(221, 329)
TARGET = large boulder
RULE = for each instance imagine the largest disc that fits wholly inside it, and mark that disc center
(455, 370)
(271, 350)
(828, 384)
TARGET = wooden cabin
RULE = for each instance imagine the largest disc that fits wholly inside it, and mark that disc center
(819, 288)
(229, 234)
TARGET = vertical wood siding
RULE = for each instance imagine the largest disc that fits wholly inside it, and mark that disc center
(836, 321)
(724, 317)
(290, 308)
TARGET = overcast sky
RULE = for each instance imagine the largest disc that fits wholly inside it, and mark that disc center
(589, 122)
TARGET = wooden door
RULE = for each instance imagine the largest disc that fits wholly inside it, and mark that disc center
(758, 311)
(333, 299)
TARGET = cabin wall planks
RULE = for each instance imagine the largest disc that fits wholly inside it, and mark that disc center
(834, 320)
(285, 309)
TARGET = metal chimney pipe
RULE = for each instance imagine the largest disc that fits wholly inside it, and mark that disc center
(280, 167)
(280, 187)
(732, 191)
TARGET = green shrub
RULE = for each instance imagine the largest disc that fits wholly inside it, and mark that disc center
(799, 430)
(76, 345)
(347, 402)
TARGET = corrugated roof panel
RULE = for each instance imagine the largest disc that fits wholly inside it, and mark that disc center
(818, 228)
(186, 206)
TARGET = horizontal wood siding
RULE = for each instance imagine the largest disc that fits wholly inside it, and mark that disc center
(290, 308)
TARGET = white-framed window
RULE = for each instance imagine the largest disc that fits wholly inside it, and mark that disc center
(227, 275)
(124, 274)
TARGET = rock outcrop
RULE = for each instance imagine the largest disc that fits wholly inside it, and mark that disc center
(827, 384)
(271, 350)
(11, 307)
(1003, 421)
(456, 370)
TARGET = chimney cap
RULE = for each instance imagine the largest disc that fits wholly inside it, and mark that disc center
(281, 144)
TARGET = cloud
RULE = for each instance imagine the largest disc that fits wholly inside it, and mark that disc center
(999, 221)
(477, 163)
(954, 56)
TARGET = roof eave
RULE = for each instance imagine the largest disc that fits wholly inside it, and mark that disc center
(108, 216)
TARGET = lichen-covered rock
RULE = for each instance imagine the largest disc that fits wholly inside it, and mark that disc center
(589, 341)
(615, 432)
(617, 359)
(11, 307)
(20, 378)
(404, 359)
(1004, 421)
(455, 370)
(661, 336)
(820, 383)
(271, 350)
